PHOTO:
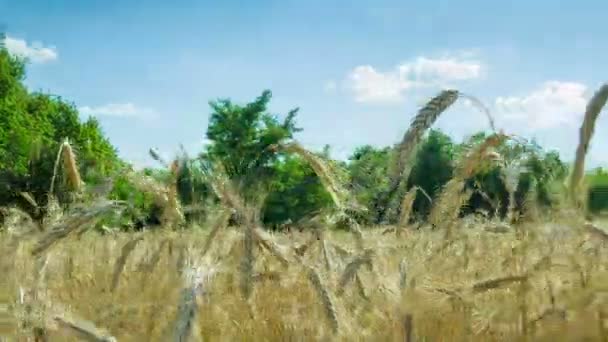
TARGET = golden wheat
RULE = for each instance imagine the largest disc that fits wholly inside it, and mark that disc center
(594, 107)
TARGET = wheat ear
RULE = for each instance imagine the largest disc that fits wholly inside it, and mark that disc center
(447, 205)
(320, 168)
(122, 260)
(427, 115)
(352, 268)
(406, 206)
(594, 107)
(70, 167)
(324, 296)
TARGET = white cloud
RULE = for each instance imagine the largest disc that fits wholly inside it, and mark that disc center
(552, 104)
(371, 85)
(125, 110)
(428, 71)
(36, 52)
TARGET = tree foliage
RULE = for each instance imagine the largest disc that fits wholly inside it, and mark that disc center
(433, 168)
(242, 137)
(32, 127)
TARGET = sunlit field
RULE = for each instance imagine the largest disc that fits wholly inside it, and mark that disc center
(258, 238)
(547, 282)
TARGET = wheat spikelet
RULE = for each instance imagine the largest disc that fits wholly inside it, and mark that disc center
(450, 200)
(86, 330)
(326, 256)
(221, 223)
(122, 260)
(56, 168)
(164, 197)
(479, 105)
(406, 206)
(402, 275)
(596, 232)
(497, 283)
(320, 168)
(71, 169)
(324, 296)
(360, 288)
(266, 242)
(224, 189)
(352, 268)
(531, 211)
(148, 266)
(594, 107)
(247, 262)
(421, 123)
(399, 170)
(156, 156)
(78, 223)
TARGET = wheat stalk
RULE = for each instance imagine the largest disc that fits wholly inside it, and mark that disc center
(402, 275)
(71, 169)
(266, 242)
(185, 320)
(497, 283)
(164, 197)
(148, 266)
(220, 223)
(247, 262)
(450, 200)
(76, 223)
(353, 267)
(122, 260)
(320, 168)
(56, 168)
(86, 330)
(594, 107)
(324, 296)
(399, 170)
(406, 206)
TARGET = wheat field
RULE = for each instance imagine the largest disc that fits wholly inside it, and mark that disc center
(541, 278)
(486, 285)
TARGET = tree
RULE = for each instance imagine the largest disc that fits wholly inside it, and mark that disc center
(32, 127)
(243, 138)
(531, 168)
(295, 192)
(433, 168)
(368, 177)
(598, 191)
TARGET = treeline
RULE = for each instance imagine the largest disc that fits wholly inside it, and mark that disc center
(245, 141)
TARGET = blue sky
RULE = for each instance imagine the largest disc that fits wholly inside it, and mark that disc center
(358, 70)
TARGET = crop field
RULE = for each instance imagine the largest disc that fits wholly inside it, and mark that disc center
(543, 277)
(484, 283)
(93, 250)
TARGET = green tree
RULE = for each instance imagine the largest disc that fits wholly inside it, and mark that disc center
(295, 192)
(244, 140)
(535, 168)
(243, 137)
(32, 127)
(598, 191)
(368, 177)
(433, 167)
